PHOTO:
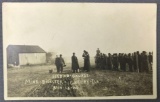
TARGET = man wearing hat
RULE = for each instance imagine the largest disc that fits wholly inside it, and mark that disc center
(57, 63)
(61, 63)
(150, 59)
(75, 65)
(86, 61)
(144, 62)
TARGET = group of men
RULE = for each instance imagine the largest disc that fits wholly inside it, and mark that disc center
(140, 62)
(59, 62)
(75, 65)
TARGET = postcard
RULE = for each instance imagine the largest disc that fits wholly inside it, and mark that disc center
(79, 51)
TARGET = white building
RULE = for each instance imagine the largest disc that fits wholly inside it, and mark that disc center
(25, 55)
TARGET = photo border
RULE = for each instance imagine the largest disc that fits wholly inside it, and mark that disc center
(89, 1)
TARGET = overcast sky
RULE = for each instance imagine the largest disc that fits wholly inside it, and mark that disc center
(73, 27)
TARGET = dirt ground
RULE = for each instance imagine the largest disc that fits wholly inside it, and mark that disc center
(36, 81)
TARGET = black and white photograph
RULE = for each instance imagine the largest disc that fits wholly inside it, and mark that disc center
(65, 51)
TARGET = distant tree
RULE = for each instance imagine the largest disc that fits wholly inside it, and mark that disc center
(49, 57)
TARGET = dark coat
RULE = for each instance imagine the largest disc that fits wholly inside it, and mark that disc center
(57, 61)
(75, 64)
(86, 62)
(150, 58)
(144, 60)
(61, 61)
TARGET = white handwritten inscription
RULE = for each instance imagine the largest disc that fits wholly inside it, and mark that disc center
(65, 81)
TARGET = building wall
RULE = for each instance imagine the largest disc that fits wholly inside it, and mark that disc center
(12, 57)
(32, 58)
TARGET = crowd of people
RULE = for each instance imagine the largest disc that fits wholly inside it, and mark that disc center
(138, 62)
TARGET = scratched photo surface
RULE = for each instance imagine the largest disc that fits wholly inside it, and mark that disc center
(79, 51)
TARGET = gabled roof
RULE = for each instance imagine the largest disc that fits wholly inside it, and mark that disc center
(25, 49)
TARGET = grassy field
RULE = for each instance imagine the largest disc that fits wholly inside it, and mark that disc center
(35, 81)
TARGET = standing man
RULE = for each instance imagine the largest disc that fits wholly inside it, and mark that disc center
(97, 58)
(86, 61)
(139, 62)
(98, 51)
(130, 62)
(145, 62)
(134, 62)
(123, 62)
(61, 63)
(105, 61)
(109, 61)
(120, 61)
(101, 61)
(150, 58)
(57, 63)
(115, 62)
(75, 65)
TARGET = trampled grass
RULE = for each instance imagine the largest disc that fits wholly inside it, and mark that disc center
(35, 81)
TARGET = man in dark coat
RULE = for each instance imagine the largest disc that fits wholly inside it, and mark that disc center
(97, 61)
(130, 62)
(101, 61)
(75, 65)
(98, 51)
(144, 62)
(104, 62)
(134, 62)
(123, 62)
(109, 61)
(61, 63)
(57, 63)
(139, 62)
(120, 61)
(150, 58)
(86, 61)
(115, 62)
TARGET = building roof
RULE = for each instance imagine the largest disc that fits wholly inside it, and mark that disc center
(25, 49)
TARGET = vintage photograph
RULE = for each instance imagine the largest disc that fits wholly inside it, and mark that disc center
(64, 51)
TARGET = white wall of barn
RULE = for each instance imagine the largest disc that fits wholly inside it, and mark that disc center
(32, 58)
